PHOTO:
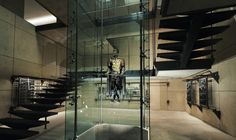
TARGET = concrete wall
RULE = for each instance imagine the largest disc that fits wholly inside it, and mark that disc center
(25, 52)
(226, 48)
(16, 6)
(224, 93)
(224, 99)
(164, 90)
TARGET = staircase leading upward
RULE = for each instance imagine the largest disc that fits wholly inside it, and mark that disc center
(190, 40)
(28, 115)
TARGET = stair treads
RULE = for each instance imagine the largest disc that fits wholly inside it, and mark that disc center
(57, 90)
(181, 35)
(60, 81)
(41, 107)
(210, 31)
(178, 46)
(171, 46)
(201, 53)
(31, 115)
(184, 22)
(16, 123)
(175, 23)
(206, 42)
(60, 86)
(177, 55)
(173, 35)
(212, 18)
(48, 100)
(53, 95)
(11, 134)
(172, 55)
(175, 65)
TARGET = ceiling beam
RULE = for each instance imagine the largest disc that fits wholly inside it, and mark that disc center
(58, 8)
(50, 26)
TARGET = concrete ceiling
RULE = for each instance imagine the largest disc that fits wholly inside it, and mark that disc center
(89, 14)
(33, 9)
(175, 7)
(56, 7)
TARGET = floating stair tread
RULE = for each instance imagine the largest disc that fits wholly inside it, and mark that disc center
(184, 22)
(11, 134)
(65, 82)
(48, 100)
(53, 95)
(53, 90)
(177, 55)
(173, 35)
(201, 53)
(16, 123)
(178, 46)
(41, 107)
(175, 23)
(175, 65)
(31, 115)
(60, 86)
(206, 43)
(210, 31)
(212, 18)
(172, 46)
(172, 55)
(181, 35)
(68, 82)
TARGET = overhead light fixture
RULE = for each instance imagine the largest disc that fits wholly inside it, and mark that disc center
(43, 20)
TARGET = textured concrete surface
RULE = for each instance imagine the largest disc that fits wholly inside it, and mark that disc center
(224, 99)
(172, 90)
(172, 125)
(165, 125)
(24, 52)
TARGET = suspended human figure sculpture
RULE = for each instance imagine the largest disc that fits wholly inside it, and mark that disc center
(116, 69)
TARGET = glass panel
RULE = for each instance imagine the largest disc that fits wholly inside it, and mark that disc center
(71, 68)
(121, 102)
(104, 65)
(147, 73)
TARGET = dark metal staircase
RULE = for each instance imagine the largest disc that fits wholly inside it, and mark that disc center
(28, 115)
(191, 40)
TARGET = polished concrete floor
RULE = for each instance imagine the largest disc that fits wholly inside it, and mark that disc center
(165, 125)
(169, 125)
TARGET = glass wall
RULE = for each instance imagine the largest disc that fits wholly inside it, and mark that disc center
(105, 41)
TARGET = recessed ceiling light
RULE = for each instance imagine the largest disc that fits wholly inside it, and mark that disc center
(43, 20)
